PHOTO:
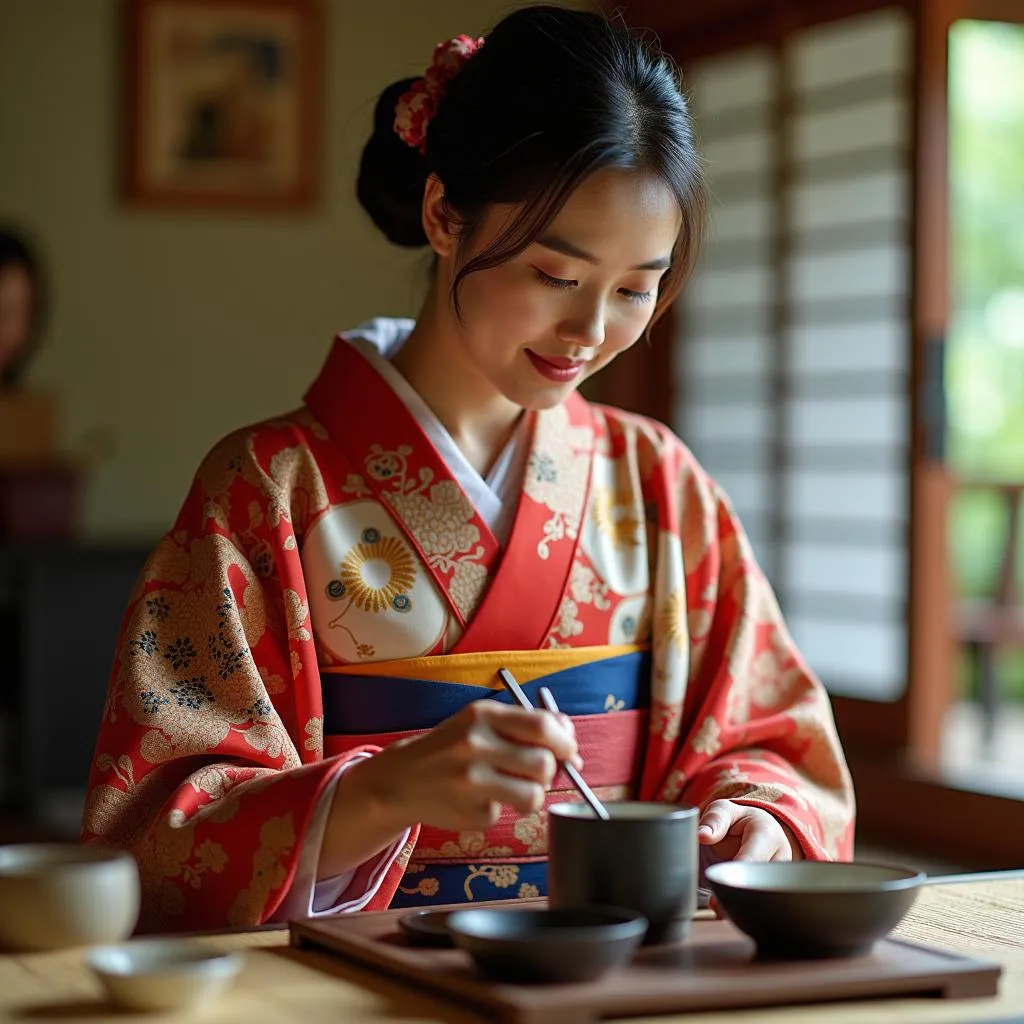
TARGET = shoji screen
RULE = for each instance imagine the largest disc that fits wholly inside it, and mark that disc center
(727, 363)
(794, 347)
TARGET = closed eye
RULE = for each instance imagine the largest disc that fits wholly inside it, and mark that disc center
(561, 283)
(554, 282)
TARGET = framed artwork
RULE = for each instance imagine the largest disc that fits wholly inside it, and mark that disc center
(224, 103)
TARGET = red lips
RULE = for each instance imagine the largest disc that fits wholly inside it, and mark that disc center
(556, 368)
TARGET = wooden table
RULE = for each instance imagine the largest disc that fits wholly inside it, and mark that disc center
(282, 985)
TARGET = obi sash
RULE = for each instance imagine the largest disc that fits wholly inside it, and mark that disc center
(606, 692)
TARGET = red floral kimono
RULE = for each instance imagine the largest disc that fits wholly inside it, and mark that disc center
(328, 587)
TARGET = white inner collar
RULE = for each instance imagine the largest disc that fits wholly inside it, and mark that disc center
(494, 496)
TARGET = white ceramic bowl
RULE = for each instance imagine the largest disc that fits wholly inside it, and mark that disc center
(163, 974)
(54, 895)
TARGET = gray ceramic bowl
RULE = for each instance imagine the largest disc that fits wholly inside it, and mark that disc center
(163, 974)
(54, 895)
(519, 945)
(812, 909)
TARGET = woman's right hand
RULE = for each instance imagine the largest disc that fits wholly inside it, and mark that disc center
(457, 775)
(454, 777)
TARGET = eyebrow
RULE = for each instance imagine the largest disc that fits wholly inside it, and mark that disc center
(565, 248)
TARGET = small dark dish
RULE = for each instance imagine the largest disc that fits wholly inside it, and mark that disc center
(547, 945)
(427, 927)
(812, 909)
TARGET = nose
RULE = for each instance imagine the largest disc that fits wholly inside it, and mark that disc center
(584, 325)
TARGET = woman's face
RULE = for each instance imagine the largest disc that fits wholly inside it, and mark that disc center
(15, 312)
(538, 326)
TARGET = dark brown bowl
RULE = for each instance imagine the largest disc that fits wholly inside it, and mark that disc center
(814, 909)
(427, 927)
(547, 945)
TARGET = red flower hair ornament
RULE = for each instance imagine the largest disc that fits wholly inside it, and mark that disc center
(419, 104)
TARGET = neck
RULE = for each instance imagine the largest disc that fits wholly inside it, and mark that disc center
(479, 419)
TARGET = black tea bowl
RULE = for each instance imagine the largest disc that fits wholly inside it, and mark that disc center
(427, 927)
(536, 945)
(814, 909)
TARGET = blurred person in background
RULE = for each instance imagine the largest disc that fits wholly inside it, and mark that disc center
(21, 295)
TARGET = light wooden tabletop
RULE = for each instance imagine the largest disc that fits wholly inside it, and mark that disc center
(282, 985)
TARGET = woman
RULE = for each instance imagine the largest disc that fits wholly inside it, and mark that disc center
(294, 722)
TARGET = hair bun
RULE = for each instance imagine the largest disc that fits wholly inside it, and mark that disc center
(392, 175)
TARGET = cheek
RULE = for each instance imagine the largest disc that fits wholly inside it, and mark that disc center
(502, 301)
(625, 331)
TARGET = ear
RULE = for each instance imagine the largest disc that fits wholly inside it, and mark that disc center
(436, 222)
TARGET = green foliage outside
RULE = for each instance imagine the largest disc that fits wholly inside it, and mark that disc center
(985, 363)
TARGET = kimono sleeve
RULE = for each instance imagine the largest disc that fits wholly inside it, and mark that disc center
(761, 726)
(209, 761)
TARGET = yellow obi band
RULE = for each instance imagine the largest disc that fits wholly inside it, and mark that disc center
(481, 668)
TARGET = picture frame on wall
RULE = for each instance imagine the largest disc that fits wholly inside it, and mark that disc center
(223, 103)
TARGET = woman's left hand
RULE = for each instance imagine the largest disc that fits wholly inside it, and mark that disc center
(738, 832)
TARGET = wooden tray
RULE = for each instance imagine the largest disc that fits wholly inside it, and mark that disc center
(714, 969)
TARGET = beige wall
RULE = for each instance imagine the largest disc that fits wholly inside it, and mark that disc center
(168, 330)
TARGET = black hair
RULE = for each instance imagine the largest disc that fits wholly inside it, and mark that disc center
(552, 96)
(15, 251)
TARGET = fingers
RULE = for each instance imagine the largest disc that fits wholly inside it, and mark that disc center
(716, 821)
(489, 784)
(490, 754)
(743, 833)
(459, 774)
(479, 814)
(760, 841)
(568, 725)
(535, 764)
(530, 728)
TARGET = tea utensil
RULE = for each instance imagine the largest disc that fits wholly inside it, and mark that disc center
(549, 702)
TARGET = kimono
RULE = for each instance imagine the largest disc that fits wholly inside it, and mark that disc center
(329, 587)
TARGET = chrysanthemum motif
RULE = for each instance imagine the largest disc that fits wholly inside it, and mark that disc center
(673, 619)
(612, 515)
(376, 574)
(504, 875)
